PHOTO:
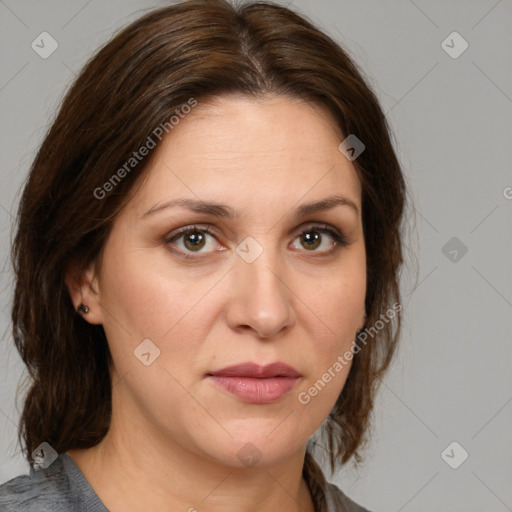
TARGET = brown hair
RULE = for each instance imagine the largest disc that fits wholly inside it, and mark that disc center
(195, 49)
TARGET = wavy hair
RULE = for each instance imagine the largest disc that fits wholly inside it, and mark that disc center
(198, 49)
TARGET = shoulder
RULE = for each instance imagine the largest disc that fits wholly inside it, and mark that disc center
(327, 497)
(52, 489)
(31, 492)
(338, 501)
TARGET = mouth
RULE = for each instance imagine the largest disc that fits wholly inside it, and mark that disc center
(256, 384)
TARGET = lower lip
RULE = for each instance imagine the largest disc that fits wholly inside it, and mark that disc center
(256, 391)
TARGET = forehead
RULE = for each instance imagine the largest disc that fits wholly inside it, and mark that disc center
(261, 127)
(245, 150)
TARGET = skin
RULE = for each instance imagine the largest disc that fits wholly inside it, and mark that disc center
(174, 435)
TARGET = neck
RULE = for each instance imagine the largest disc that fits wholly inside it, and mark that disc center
(129, 473)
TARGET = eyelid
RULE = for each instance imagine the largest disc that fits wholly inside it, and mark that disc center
(206, 228)
(337, 235)
(177, 233)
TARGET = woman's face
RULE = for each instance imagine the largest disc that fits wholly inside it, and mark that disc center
(262, 286)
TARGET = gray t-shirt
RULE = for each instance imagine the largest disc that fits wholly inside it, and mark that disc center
(62, 487)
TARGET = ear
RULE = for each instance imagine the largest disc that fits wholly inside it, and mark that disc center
(83, 289)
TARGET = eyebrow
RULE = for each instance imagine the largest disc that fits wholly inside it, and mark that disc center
(222, 210)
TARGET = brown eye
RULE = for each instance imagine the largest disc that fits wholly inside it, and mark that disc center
(316, 236)
(194, 240)
(311, 240)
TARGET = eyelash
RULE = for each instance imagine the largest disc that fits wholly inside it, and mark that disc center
(340, 239)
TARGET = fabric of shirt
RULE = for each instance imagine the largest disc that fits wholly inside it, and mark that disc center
(62, 487)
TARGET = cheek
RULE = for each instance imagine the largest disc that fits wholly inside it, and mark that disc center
(145, 302)
(338, 301)
(141, 303)
(150, 300)
(339, 306)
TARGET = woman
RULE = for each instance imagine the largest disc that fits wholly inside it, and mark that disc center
(206, 260)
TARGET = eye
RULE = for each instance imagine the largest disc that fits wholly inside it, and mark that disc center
(192, 239)
(198, 239)
(314, 237)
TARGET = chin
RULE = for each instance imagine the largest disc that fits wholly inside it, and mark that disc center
(259, 444)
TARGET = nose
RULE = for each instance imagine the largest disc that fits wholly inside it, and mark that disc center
(262, 300)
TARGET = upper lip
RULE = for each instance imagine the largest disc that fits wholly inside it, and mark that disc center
(257, 371)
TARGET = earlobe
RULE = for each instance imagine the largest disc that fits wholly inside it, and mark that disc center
(84, 293)
(83, 309)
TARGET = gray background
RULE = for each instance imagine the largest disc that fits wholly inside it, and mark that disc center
(452, 122)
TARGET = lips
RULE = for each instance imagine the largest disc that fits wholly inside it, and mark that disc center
(256, 371)
(256, 384)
